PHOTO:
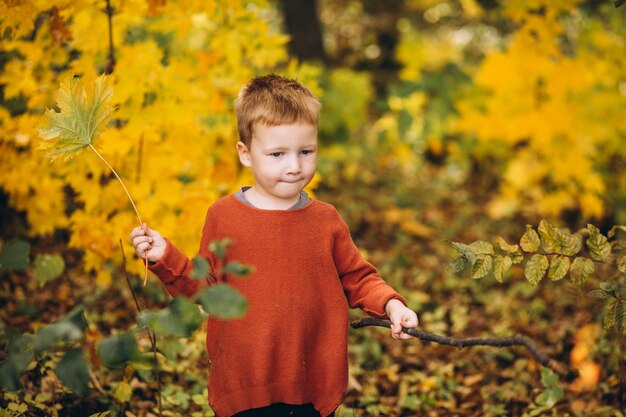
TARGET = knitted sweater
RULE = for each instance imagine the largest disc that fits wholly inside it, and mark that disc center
(291, 346)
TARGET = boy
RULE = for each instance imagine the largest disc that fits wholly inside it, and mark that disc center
(288, 355)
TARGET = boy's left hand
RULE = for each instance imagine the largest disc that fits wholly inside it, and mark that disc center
(400, 317)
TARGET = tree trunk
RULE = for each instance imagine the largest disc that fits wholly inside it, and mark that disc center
(303, 26)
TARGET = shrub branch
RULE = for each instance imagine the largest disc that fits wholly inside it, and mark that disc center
(517, 340)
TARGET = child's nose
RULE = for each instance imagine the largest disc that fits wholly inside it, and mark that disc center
(295, 165)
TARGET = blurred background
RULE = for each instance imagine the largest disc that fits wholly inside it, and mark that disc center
(442, 121)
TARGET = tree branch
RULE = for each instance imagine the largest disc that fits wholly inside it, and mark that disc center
(518, 340)
(111, 57)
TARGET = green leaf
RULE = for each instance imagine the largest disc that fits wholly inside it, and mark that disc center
(123, 392)
(501, 264)
(558, 267)
(569, 244)
(505, 246)
(20, 353)
(201, 268)
(457, 265)
(599, 294)
(598, 244)
(220, 247)
(536, 268)
(481, 247)
(548, 378)
(182, 318)
(465, 251)
(68, 329)
(549, 236)
(410, 402)
(15, 256)
(550, 396)
(581, 268)
(237, 269)
(482, 267)
(118, 350)
(81, 119)
(48, 267)
(517, 258)
(223, 301)
(611, 312)
(530, 241)
(73, 371)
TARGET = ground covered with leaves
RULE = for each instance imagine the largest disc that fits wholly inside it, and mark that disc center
(387, 377)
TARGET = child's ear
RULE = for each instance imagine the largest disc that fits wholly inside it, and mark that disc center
(244, 154)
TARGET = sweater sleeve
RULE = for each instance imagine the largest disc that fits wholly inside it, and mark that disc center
(361, 282)
(174, 267)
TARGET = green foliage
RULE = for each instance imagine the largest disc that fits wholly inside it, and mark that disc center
(15, 256)
(20, 353)
(81, 119)
(581, 269)
(201, 268)
(220, 247)
(559, 265)
(556, 251)
(536, 268)
(598, 244)
(180, 319)
(73, 371)
(223, 301)
(530, 241)
(118, 350)
(237, 269)
(552, 392)
(69, 329)
(48, 267)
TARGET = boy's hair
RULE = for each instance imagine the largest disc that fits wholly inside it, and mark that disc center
(272, 100)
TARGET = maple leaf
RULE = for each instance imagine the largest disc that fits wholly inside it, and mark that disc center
(81, 119)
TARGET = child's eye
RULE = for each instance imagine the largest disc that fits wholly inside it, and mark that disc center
(306, 151)
(276, 154)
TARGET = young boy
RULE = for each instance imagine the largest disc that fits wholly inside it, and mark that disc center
(288, 355)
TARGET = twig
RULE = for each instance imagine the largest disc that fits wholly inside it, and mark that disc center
(517, 340)
(95, 383)
(151, 336)
(111, 59)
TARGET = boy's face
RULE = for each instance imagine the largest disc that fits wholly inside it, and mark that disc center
(282, 159)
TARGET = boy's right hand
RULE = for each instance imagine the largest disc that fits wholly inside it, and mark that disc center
(148, 243)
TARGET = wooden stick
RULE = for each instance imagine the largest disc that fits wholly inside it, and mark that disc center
(517, 340)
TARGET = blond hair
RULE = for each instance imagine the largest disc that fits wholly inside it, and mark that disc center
(272, 100)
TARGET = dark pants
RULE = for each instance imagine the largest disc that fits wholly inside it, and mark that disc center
(282, 410)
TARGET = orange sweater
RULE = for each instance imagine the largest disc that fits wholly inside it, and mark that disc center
(291, 346)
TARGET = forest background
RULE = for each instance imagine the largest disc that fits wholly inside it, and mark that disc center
(442, 121)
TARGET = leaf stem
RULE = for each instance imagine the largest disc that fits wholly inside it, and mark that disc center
(121, 182)
(145, 275)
